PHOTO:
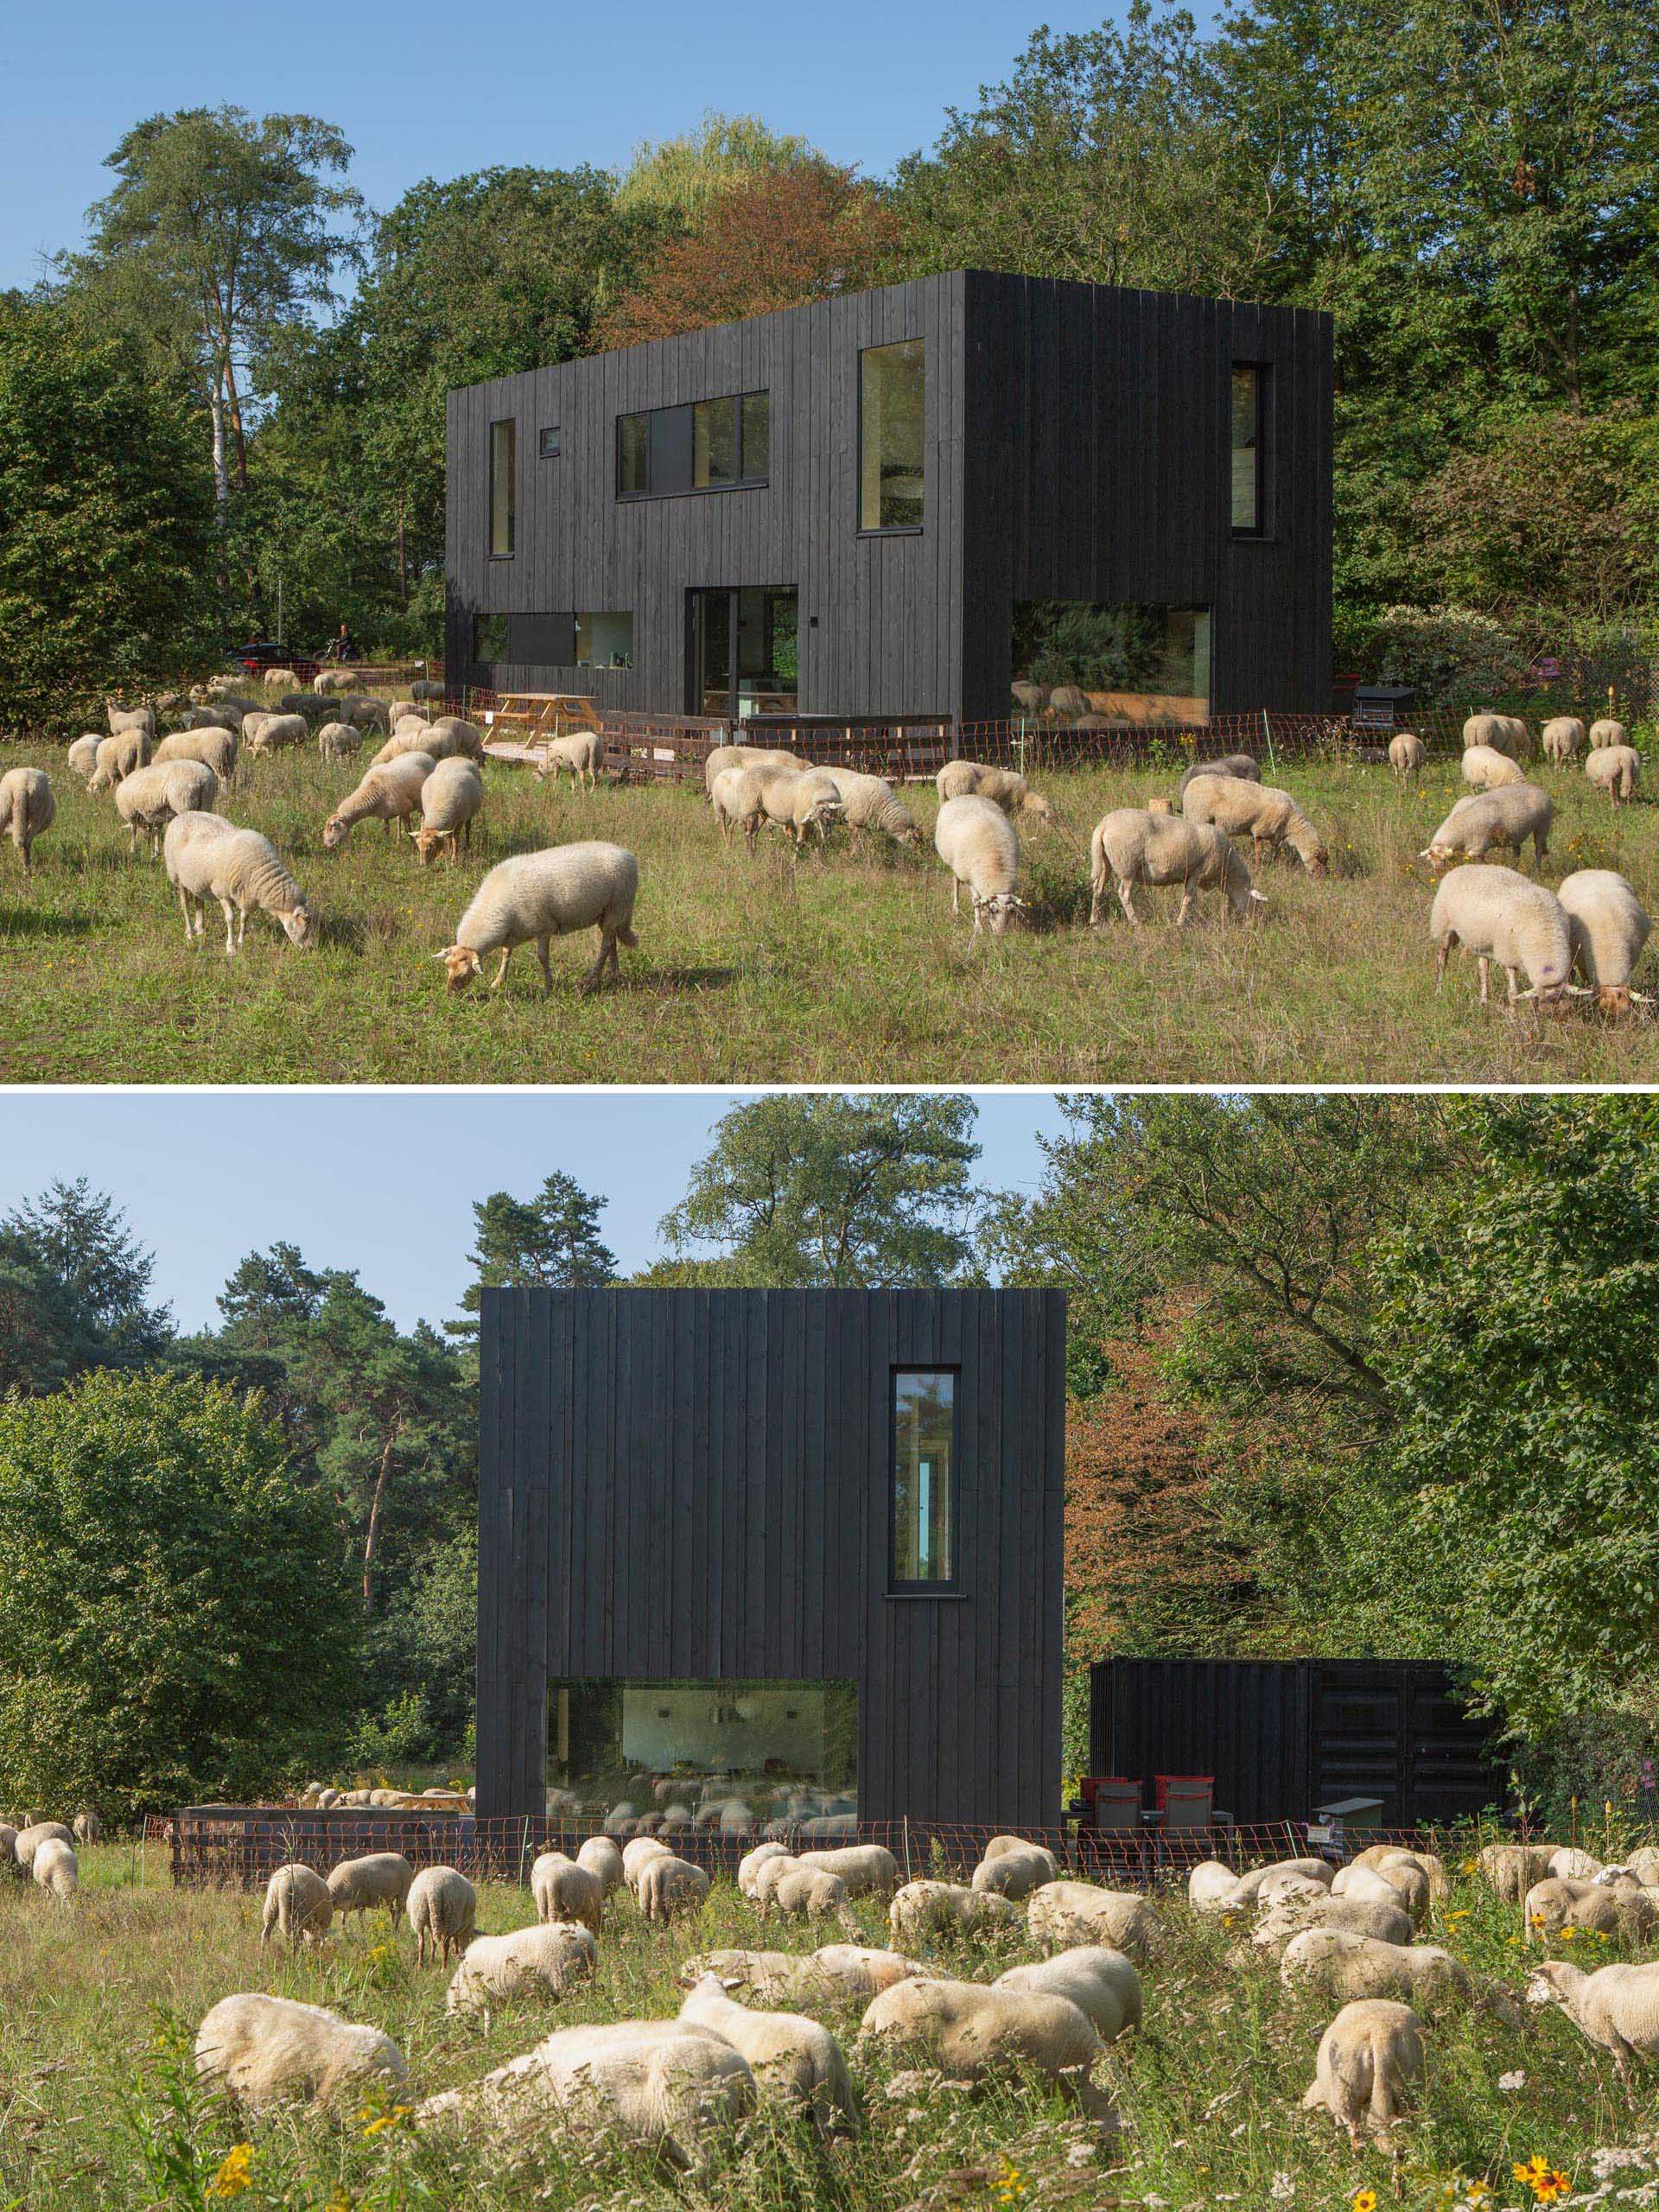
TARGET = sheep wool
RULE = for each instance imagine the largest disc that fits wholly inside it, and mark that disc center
(1269, 816)
(442, 1908)
(975, 839)
(540, 1961)
(207, 857)
(1486, 820)
(1004, 787)
(1498, 914)
(1486, 770)
(390, 791)
(267, 2048)
(1131, 846)
(451, 798)
(790, 2057)
(579, 753)
(1406, 753)
(1369, 2059)
(1230, 764)
(151, 798)
(1609, 929)
(535, 897)
(28, 810)
(1613, 769)
(210, 743)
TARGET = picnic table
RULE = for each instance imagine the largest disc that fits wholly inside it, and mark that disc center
(543, 714)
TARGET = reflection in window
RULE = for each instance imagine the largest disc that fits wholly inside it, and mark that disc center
(490, 637)
(1110, 665)
(891, 431)
(714, 443)
(704, 445)
(504, 474)
(604, 641)
(552, 441)
(923, 1476)
(1248, 448)
(733, 1755)
(633, 452)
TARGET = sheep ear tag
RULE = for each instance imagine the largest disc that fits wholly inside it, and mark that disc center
(1260, 897)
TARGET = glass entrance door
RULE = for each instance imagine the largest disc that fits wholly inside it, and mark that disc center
(744, 656)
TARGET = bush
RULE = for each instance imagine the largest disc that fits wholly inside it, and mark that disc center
(1451, 656)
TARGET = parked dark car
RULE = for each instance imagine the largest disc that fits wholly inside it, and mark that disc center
(267, 654)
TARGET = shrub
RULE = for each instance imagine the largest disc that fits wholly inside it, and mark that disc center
(1451, 656)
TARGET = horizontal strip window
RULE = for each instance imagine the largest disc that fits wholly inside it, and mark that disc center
(578, 640)
(707, 445)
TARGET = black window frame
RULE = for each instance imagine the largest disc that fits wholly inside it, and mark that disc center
(555, 451)
(889, 528)
(684, 438)
(951, 1585)
(508, 423)
(1263, 527)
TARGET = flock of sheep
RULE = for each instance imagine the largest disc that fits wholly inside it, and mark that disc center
(427, 778)
(1347, 1937)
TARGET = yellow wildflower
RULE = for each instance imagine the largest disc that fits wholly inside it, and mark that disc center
(1364, 2199)
(232, 2177)
(379, 2122)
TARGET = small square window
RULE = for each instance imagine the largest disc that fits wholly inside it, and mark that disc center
(551, 446)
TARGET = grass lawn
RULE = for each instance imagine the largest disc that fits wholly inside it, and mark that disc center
(99, 1999)
(847, 968)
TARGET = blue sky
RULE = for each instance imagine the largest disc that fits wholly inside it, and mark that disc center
(385, 1182)
(421, 89)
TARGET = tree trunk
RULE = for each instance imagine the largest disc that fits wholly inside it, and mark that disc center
(221, 475)
(402, 558)
(371, 1540)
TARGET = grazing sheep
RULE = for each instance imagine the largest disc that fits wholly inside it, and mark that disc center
(451, 796)
(1388, 1923)
(541, 1960)
(1512, 1868)
(1270, 816)
(379, 1878)
(947, 1910)
(667, 1885)
(1484, 770)
(799, 802)
(1004, 787)
(33, 1836)
(1230, 764)
(407, 738)
(1503, 819)
(339, 740)
(426, 689)
(8, 1847)
(800, 1891)
(85, 1826)
(969, 2031)
(1370, 2056)
(27, 808)
(1400, 1883)
(599, 1856)
(1502, 733)
(1562, 738)
(122, 719)
(1385, 1854)
(442, 1908)
(118, 757)
(1496, 913)
(719, 758)
(868, 803)
(56, 1868)
(868, 1869)
(1337, 1965)
(1102, 1983)
(1572, 1864)
(1614, 769)
(666, 2083)
(1016, 1873)
(451, 739)
(1406, 753)
(1621, 1909)
(82, 759)
(1062, 1914)
(205, 856)
(274, 732)
(1606, 733)
(388, 793)
(151, 798)
(748, 1867)
(267, 2048)
(1069, 699)
(367, 714)
(637, 1854)
(298, 1906)
(974, 839)
(563, 1891)
(1211, 1887)
(1261, 1880)
(535, 897)
(772, 1975)
(1132, 845)
(734, 796)
(279, 679)
(858, 1970)
(789, 2056)
(580, 753)
(214, 745)
(1616, 2007)
(1609, 929)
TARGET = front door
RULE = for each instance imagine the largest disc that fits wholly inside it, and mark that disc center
(745, 651)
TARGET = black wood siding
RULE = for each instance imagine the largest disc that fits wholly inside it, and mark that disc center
(696, 1483)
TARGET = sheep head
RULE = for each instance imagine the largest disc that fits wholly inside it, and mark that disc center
(460, 963)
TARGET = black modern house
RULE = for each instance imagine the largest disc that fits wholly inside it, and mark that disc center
(794, 1552)
(907, 502)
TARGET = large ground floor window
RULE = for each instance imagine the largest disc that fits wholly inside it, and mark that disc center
(1110, 663)
(746, 651)
(733, 1755)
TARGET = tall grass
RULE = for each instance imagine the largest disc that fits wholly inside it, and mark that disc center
(847, 967)
(99, 2108)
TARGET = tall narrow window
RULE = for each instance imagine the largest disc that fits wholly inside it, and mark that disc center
(504, 485)
(714, 443)
(1249, 443)
(924, 1478)
(892, 420)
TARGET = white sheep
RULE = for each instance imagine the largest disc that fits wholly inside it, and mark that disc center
(804, 1892)
(1338, 1965)
(599, 1856)
(1211, 1887)
(719, 758)
(28, 810)
(1512, 1868)
(122, 719)
(1496, 913)
(1230, 764)
(1100, 1982)
(1609, 929)
(1385, 1854)
(151, 798)
(1487, 820)
(1261, 1881)
(667, 1885)
(205, 856)
(118, 757)
(970, 2030)
(1562, 738)
(1280, 1923)
(1406, 753)
(748, 1867)
(867, 1869)
(1370, 2058)
(868, 802)
(1131, 845)
(1617, 2006)
(1614, 769)
(1623, 1909)
(1502, 733)
(56, 1869)
(379, 1878)
(535, 897)
(564, 1891)
(82, 759)
(1062, 1914)
(339, 740)
(265, 2048)
(1004, 787)
(1485, 770)
(789, 2055)
(442, 1909)
(390, 791)
(859, 1970)
(1404, 1884)
(735, 795)
(975, 839)
(1016, 1873)
(799, 801)
(451, 798)
(539, 1961)
(298, 1906)
(85, 1826)
(32, 1836)
(947, 1910)
(636, 1853)
(579, 753)
(214, 745)
(279, 679)
(1269, 816)
(1572, 1865)
(1607, 731)
(274, 732)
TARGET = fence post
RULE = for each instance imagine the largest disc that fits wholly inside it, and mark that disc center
(1267, 727)
(908, 1873)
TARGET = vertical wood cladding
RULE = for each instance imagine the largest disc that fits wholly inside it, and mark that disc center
(692, 1483)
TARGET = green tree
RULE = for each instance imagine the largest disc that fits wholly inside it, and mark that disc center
(550, 1241)
(95, 463)
(75, 1291)
(175, 1623)
(679, 178)
(800, 1190)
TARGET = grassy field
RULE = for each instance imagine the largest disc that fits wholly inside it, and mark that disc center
(99, 2001)
(847, 968)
